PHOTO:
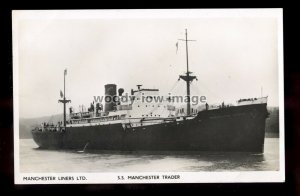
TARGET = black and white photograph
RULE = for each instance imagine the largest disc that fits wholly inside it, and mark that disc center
(148, 96)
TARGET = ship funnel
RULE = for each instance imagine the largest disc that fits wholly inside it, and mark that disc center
(111, 92)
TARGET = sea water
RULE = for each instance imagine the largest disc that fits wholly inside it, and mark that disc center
(35, 160)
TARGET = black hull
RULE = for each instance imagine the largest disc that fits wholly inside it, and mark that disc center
(239, 128)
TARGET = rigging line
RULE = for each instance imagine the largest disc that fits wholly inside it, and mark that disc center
(175, 84)
(179, 87)
(196, 88)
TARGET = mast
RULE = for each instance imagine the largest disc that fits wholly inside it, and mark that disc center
(187, 77)
(64, 100)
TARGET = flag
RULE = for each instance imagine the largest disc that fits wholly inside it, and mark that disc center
(176, 47)
(61, 94)
(65, 72)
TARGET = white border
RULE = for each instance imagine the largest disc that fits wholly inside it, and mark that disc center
(185, 177)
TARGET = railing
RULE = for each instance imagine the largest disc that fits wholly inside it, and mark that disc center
(97, 119)
(51, 128)
(81, 115)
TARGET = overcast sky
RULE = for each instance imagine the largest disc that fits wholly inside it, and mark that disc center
(233, 58)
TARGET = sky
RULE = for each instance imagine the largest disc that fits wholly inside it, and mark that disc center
(233, 57)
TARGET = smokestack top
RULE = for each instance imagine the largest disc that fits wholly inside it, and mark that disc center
(110, 85)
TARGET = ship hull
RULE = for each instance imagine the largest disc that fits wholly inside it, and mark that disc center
(235, 129)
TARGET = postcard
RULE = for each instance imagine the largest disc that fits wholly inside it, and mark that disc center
(148, 96)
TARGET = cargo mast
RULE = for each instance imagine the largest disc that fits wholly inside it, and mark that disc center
(64, 100)
(187, 77)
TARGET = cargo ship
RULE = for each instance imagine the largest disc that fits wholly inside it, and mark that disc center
(137, 125)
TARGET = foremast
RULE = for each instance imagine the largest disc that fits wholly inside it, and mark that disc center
(64, 100)
(188, 78)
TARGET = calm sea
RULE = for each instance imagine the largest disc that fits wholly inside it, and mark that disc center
(35, 160)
